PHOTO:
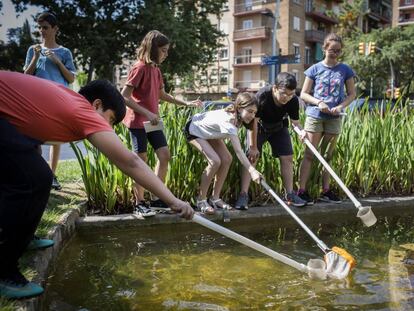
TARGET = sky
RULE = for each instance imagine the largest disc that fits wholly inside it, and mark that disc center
(8, 18)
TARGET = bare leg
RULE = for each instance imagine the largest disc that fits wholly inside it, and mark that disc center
(163, 155)
(328, 140)
(54, 153)
(286, 169)
(306, 164)
(225, 158)
(136, 188)
(210, 171)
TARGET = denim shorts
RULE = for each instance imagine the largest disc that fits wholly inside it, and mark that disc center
(328, 126)
(140, 140)
(279, 141)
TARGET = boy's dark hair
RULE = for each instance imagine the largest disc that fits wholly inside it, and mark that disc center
(111, 98)
(148, 49)
(47, 17)
(286, 80)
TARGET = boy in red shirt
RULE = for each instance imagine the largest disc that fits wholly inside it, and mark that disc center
(35, 111)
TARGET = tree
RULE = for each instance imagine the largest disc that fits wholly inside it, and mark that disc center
(348, 18)
(101, 33)
(13, 53)
(396, 46)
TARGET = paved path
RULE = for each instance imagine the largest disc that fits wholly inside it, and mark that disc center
(66, 152)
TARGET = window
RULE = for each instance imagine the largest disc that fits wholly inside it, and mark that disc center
(223, 53)
(223, 76)
(309, 6)
(408, 1)
(307, 55)
(296, 23)
(296, 74)
(248, 24)
(308, 25)
(224, 27)
(248, 4)
(247, 55)
(296, 49)
(296, 1)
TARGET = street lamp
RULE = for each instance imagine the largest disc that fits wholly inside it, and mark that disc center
(275, 50)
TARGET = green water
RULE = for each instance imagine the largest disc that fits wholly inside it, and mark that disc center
(187, 267)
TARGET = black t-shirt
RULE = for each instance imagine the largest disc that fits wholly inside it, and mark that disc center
(271, 113)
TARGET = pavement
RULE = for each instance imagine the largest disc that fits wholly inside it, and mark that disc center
(66, 152)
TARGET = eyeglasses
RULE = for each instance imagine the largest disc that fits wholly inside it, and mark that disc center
(283, 93)
(336, 51)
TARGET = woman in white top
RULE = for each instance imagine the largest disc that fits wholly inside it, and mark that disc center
(206, 132)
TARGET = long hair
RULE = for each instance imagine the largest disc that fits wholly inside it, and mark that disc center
(243, 100)
(148, 49)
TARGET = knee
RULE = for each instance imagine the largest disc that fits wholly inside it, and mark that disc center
(226, 160)
(308, 155)
(214, 163)
(164, 157)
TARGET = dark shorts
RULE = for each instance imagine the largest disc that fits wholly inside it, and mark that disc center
(279, 141)
(140, 140)
(187, 134)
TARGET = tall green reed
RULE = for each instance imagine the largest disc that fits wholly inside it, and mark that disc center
(374, 155)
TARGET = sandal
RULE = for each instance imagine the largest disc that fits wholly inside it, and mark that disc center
(219, 203)
(204, 207)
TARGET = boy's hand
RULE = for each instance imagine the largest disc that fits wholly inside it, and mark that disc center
(253, 154)
(183, 208)
(51, 55)
(37, 49)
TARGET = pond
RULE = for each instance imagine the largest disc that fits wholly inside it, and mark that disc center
(188, 267)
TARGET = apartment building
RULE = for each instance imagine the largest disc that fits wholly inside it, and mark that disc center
(377, 14)
(403, 12)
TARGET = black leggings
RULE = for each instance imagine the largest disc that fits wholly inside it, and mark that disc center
(25, 182)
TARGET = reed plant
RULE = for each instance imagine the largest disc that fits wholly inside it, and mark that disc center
(374, 155)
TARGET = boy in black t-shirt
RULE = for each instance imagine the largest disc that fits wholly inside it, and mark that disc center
(277, 103)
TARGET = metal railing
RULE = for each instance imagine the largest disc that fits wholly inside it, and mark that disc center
(248, 59)
(257, 32)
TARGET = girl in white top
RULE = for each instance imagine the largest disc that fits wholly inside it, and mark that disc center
(206, 132)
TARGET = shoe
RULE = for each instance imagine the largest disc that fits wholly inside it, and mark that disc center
(39, 243)
(330, 197)
(242, 201)
(55, 183)
(143, 210)
(293, 199)
(16, 286)
(219, 203)
(204, 207)
(304, 195)
(159, 205)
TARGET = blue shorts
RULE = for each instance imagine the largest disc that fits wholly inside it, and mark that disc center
(279, 141)
(140, 140)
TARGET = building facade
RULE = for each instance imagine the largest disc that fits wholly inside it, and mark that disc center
(403, 13)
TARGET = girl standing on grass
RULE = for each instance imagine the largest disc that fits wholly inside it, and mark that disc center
(142, 92)
(324, 92)
(206, 132)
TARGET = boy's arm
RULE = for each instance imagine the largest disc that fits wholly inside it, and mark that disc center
(129, 163)
(31, 67)
(253, 152)
(171, 99)
(235, 141)
(126, 93)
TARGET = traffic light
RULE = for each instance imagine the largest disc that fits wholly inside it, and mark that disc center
(361, 48)
(397, 92)
(372, 47)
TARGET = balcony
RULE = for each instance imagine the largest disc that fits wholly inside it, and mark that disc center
(251, 34)
(241, 9)
(252, 85)
(320, 16)
(404, 7)
(314, 35)
(247, 60)
(405, 21)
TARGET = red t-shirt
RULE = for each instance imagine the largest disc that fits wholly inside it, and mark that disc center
(147, 83)
(45, 110)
